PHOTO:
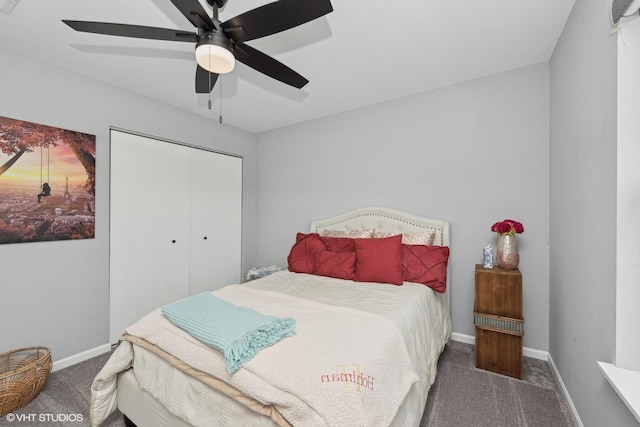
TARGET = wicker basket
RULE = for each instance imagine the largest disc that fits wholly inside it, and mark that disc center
(23, 373)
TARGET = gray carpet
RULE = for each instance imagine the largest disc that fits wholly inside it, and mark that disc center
(465, 396)
(67, 392)
(461, 396)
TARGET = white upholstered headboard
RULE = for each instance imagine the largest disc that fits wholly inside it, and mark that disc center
(387, 220)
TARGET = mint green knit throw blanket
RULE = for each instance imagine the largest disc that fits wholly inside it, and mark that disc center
(239, 332)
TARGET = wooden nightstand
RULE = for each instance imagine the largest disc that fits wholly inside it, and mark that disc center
(498, 320)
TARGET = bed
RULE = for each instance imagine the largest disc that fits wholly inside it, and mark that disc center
(155, 381)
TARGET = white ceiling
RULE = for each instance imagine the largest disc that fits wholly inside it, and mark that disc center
(364, 52)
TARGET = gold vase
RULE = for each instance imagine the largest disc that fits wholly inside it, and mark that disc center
(507, 254)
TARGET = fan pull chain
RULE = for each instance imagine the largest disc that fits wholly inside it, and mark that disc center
(220, 100)
(209, 85)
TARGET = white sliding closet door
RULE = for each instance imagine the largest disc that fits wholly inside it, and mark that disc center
(171, 212)
(176, 225)
(216, 220)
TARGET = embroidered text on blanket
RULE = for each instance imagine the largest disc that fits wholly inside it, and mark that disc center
(356, 376)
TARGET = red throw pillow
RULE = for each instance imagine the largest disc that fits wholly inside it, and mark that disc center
(426, 265)
(379, 260)
(301, 236)
(341, 265)
(304, 253)
(339, 244)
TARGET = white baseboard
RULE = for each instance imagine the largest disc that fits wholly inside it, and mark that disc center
(80, 357)
(536, 354)
(565, 392)
(526, 351)
(467, 339)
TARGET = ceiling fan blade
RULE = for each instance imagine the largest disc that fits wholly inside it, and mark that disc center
(203, 83)
(136, 31)
(269, 66)
(195, 13)
(275, 17)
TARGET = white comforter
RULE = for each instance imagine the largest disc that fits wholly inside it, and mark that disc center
(350, 387)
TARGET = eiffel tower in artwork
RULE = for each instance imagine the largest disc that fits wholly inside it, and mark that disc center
(66, 191)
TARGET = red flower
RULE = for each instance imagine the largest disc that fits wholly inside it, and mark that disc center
(507, 226)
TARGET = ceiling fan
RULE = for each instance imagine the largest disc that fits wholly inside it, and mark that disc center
(219, 44)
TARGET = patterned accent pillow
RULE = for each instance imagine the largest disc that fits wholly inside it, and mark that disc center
(426, 265)
(352, 234)
(425, 238)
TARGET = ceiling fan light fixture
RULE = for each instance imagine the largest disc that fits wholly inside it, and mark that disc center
(214, 55)
(217, 42)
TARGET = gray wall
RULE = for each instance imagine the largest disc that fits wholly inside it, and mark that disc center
(57, 293)
(472, 153)
(583, 78)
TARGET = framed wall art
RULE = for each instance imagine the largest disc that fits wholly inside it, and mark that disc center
(47, 183)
